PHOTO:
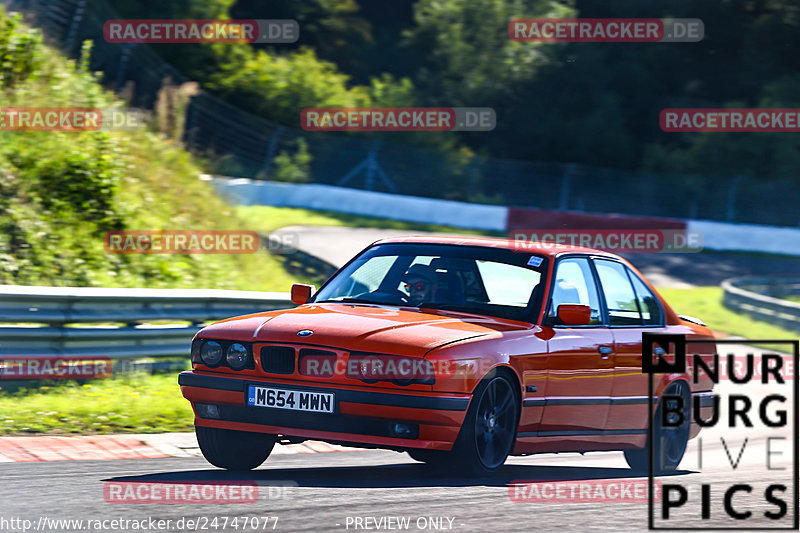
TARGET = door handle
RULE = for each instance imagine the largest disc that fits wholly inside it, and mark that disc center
(605, 351)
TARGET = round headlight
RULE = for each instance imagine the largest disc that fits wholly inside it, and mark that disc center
(237, 356)
(211, 352)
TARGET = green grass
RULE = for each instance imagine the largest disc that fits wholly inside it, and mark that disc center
(705, 303)
(267, 218)
(135, 403)
(60, 192)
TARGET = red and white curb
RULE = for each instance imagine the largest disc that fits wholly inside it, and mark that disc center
(125, 446)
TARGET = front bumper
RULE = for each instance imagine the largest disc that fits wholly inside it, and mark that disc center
(362, 415)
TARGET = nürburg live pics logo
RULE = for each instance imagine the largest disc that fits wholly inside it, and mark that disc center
(740, 404)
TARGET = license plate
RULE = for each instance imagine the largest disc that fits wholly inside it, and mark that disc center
(295, 400)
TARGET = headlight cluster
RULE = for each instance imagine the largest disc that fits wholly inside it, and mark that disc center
(398, 369)
(236, 355)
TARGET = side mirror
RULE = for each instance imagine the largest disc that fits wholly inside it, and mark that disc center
(301, 293)
(574, 314)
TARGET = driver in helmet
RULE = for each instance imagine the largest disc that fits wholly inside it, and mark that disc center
(420, 283)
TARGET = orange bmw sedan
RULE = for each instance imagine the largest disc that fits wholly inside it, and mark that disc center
(459, 351)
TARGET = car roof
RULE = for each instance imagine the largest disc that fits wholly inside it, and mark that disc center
(547, 249)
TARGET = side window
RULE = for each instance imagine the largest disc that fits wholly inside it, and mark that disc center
(623, 309)
(508, 284)
(574, 285)
(651, 312)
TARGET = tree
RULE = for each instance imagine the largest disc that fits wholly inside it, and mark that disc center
(469, 58)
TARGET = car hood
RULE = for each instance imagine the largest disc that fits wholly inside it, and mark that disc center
(358, 327)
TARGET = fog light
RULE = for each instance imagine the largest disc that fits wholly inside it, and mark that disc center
(404, 430)
(207, 410)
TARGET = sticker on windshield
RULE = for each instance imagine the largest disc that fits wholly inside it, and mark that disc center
(535, 261)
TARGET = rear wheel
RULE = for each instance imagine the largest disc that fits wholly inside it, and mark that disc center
(234, 450)
(670, 441)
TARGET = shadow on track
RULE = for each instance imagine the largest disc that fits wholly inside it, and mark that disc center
(390, 476)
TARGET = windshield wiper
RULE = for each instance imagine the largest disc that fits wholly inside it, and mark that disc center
(351, 301)
(448, 307)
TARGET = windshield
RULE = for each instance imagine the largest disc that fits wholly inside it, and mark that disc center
(472, 279)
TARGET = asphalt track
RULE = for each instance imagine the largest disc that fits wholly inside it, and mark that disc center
(340, 491)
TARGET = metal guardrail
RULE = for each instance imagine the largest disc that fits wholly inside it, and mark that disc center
(55, 321)
(760, 297)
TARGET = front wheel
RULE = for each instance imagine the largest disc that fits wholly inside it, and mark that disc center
(490, 427)
(670, 441)
(234, 450)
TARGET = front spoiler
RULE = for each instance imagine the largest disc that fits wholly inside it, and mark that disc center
(361, 416)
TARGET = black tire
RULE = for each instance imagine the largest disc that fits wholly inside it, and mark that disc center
(234, 450)
(431, 457)
(671, 442)
(490, 427)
